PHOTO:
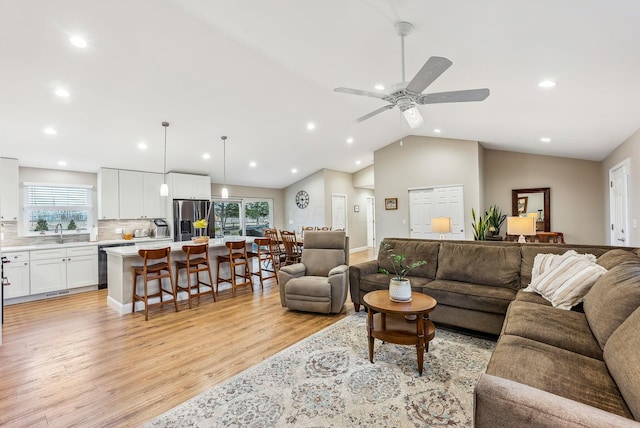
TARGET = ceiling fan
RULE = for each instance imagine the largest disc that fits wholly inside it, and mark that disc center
(407, 96)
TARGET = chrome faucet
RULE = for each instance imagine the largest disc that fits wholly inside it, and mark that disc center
(56, 231)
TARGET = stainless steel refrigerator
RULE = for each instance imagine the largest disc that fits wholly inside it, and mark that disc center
(185, 213)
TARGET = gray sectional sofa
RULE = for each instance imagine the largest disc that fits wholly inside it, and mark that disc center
(551, 367)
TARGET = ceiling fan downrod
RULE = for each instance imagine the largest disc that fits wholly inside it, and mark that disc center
(403, 29)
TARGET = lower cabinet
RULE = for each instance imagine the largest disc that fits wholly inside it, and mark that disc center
(17, 272)
(60, 269)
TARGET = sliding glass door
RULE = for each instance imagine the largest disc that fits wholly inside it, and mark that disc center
(248, 217)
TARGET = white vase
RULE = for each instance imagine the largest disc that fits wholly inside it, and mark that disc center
(400, 290)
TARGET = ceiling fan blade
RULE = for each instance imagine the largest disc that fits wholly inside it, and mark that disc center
(359, 92)
(430, 71)
(373, 113)
(454, 96)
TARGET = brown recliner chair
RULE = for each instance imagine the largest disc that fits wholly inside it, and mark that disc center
(319, 283)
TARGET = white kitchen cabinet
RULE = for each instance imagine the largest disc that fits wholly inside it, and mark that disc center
(48, 270)
(130, 194)
(108, 194)
(9, 207)
(82, 266)
(153, 203)
(186, 186)
(60, 269)
(17, 272)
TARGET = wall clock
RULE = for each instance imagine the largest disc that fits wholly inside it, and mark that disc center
(302, 199)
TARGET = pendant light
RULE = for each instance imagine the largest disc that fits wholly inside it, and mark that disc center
(164, 189)
(225, 191)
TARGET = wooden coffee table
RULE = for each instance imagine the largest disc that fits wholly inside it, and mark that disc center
(386, 321)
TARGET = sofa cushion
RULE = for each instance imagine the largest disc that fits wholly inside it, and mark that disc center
(612, 299)
(483, 298)
(529, 252)
(380, 281)
(558, 371)
(498, 266)
(526, 296)
(318, 262)
(565, 279)
(613, 258)
(563, 329)
(622, 355)
(415, 250)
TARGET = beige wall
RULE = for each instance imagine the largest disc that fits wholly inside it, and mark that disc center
(629, 149)
(277, 195)
(577, 194)
(423, 162)
(337, 182)
(314, 214)
(365, 178)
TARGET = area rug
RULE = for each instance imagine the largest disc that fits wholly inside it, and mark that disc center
(326, 380)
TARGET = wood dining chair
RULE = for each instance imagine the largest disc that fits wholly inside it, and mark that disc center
(275, 247)
(291, 247)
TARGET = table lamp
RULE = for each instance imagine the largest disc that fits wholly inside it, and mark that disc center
(441, 225)
(521, 226)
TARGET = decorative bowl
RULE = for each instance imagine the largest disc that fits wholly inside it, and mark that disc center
(200, 239)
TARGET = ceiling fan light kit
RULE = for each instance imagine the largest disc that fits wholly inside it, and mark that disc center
(408, 95)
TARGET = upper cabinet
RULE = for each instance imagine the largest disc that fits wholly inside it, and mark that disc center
(9, 189)
(186, 186)
(124, 194)
(108, 194)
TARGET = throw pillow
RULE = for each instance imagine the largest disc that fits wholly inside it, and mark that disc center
(566, 281)
(542, 262)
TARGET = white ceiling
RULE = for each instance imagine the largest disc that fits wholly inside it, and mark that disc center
(259, 70)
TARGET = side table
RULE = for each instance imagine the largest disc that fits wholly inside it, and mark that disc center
(386, 321)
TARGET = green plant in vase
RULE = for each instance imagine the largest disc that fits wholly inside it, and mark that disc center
(479, 226)
(399, 286)
(494, 219)
(41, 226)
(72, 225)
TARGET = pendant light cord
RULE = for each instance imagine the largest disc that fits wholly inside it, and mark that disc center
(164, 176)
(224, 161)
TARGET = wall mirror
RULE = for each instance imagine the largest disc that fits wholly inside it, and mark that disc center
(533, 202)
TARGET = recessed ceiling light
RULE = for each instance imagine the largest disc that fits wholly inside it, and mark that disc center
(294, 170)
(252, 164)
(206, 156)
(437, 131)
(62, 163)
(349, 140)
(379, 87)
(62, 93)
(142, 146)
(311, 126)
(547, 84)
(78, 41)
(545, 139)
(50, 131)
(358, 162)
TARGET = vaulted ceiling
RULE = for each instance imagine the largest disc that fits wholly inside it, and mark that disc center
(259, 71)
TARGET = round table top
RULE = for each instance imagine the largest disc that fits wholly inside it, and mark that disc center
(379, 301)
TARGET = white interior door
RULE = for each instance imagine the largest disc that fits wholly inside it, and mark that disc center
(339, 212)
(424, 204)
(619, 204)
(371, 222)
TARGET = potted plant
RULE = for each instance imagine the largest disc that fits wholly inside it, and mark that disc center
(399, 286)
(494, 219)
(479, 226)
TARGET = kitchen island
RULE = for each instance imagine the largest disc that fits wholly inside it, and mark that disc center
(120, 272)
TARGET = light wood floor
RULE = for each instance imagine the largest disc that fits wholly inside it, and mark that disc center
(73, 361)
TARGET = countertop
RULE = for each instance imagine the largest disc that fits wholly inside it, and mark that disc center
(146, 240)
(175, 246)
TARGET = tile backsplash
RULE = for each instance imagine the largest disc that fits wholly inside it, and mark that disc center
(106, 231)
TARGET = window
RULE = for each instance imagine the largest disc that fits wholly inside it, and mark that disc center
(45, 206)
(248, 217)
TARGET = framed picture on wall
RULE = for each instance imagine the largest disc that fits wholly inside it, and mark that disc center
(390, 203)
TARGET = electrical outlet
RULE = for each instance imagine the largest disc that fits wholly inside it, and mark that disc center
(119, 229)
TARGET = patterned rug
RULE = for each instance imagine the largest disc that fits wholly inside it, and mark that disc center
(327, 380)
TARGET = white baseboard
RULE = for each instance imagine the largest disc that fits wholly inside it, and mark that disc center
(353, 250)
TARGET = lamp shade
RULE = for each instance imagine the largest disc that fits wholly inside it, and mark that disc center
(441, 224)
(521, 226)
(413, 117)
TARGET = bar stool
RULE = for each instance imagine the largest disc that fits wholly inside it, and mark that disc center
(151, 272)
(237, 257)
(264, 258)
(197, 261)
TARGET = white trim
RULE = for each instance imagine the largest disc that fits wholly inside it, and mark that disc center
(353, 250)
(435, 187)
(626, 164)
(81, 186)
